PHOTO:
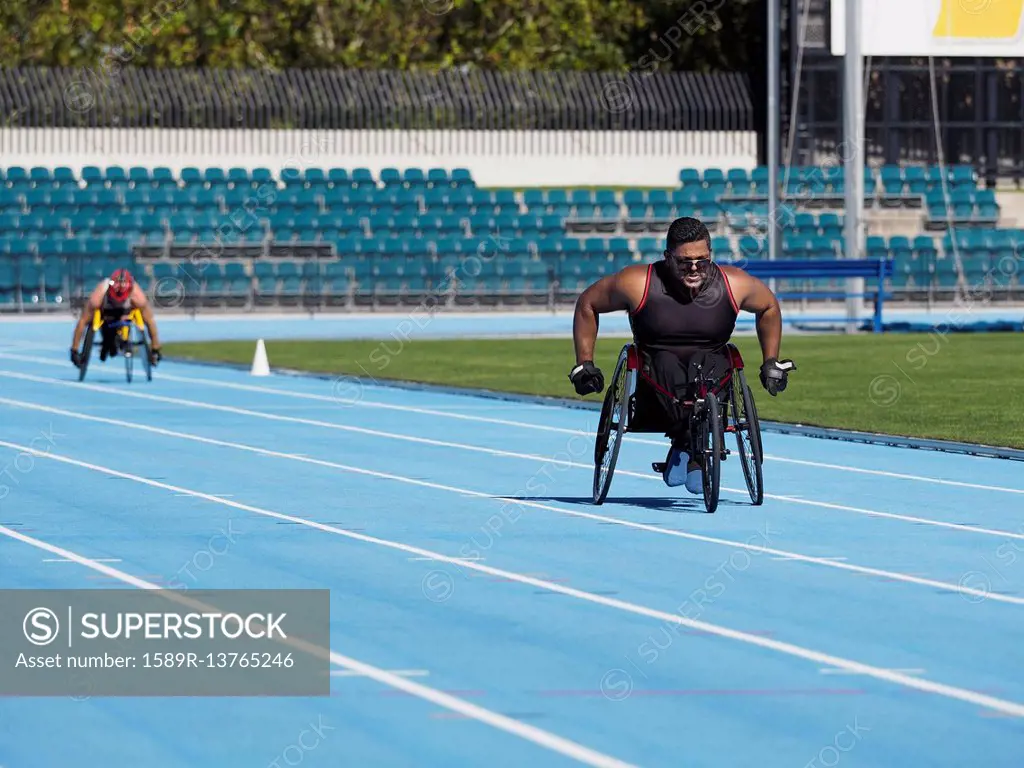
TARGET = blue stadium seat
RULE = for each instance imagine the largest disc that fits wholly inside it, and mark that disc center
(461, 177)
(339, 178)
(438, 178)
(690, 177)
(163, 178)
(738, 180)
(877, 248)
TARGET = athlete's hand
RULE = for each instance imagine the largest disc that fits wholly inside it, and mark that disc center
(155, 356)
(775, 375)
(587, 378)
(76, 358)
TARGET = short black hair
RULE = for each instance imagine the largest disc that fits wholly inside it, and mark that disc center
(687, 230)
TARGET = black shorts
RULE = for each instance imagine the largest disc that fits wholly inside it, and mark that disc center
(109, 333)
(666, 374)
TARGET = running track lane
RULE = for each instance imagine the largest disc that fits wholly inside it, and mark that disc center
(640, 689)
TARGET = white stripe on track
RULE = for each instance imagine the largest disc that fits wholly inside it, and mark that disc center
(521, 424)
(821, 659)
(399, 672)
(496, 452)
(783, 555)
(391, 679)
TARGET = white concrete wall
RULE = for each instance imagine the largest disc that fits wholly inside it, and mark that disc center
(495, 158)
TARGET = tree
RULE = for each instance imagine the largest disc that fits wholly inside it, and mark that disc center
(382, 34)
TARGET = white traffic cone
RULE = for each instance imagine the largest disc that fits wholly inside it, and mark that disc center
(260, 364)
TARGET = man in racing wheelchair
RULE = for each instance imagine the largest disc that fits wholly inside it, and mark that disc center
(115, 298)
(683, 311)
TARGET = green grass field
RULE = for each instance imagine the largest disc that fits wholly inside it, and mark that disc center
(965, 387)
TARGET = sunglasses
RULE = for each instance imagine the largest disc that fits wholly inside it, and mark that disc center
(686, 264)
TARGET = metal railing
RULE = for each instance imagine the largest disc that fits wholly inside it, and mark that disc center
(339, 99)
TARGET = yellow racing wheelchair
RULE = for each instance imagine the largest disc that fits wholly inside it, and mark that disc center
(129, 338)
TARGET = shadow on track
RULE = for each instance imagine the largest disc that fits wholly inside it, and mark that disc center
(673, 504)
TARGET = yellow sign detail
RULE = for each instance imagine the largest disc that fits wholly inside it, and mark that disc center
(979, 19)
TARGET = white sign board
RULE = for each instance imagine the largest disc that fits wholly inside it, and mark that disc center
(934, 27)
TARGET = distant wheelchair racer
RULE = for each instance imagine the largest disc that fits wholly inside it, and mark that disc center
(682, 310)
(115, 299)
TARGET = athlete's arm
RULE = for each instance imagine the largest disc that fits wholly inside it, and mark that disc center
(140, 300)
(91, 305)
(606, 295)
(754, 296)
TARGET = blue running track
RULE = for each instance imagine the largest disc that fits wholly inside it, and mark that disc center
(870, 613)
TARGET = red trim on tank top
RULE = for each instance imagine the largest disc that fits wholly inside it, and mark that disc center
(735, 306)
(647, 287)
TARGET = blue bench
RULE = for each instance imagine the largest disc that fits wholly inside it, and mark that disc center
(827, 268)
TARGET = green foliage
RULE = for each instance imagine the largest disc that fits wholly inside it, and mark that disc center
(380, 34)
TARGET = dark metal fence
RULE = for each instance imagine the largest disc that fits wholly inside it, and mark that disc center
(363, 99)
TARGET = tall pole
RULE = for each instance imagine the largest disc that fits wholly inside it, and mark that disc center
(855, 156)
(773, 127)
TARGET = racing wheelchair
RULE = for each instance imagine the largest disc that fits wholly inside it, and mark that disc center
(129, 336)
(715, 406)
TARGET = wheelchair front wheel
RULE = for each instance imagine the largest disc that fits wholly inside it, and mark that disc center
(147, 363)
(710, 447)
(86, 353)
(610, 429)
(748, 437)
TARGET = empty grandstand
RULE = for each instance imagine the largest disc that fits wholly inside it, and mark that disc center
(337, 237)
(342, 189)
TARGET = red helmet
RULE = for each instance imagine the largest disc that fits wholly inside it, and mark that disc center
(119, 286)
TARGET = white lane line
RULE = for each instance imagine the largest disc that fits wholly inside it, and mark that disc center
(831, 559)
(905, 671)
(398, 672)
(94, 559)
(563, 430)
(794, 556)
(501, 722)
(505, 454)
(822, 659)
(520, 424)
(897, 475)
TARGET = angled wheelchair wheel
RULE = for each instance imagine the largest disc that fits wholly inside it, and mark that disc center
(610, 429)
(129, 361)
(710, 444)
(147, 365)
(86, 353)
(748, 436)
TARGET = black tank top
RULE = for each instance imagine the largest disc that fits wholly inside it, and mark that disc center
(111, 310)
(666, 322)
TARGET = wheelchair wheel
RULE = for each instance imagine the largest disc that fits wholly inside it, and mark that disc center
(147, 364)
(748, 436)
(129, 361)
(610, 429)
(86, 353)
(709, 432)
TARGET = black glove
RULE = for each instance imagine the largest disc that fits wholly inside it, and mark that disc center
(775, 375)
(587, 378)
(76, 358)
(155, 356)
